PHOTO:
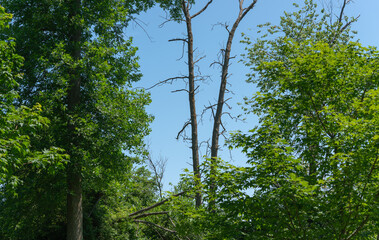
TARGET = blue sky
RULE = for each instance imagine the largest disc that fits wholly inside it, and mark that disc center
(159, 61)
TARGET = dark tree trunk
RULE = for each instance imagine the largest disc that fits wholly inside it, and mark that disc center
(74, 176)
(74, 204)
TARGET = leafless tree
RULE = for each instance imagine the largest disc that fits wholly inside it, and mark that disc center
(192, 79)
(185, 7)
(225, 63)
(158, 168)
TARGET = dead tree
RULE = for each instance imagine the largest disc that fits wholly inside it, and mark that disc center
(191, 78)
(224, 76)
(225, 63)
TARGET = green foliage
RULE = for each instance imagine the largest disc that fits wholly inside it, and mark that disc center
(174, 8)
(19, 158)
(110, 121)
(19, 124)
(314, 156)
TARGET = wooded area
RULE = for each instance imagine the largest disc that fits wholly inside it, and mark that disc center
(74, 163)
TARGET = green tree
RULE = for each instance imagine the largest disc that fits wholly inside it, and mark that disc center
(314, 156)
(80, 68)
(19, 125)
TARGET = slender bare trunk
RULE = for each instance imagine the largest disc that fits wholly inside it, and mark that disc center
(223, 83)
(192, 101)
(224, 78)
(74, 176)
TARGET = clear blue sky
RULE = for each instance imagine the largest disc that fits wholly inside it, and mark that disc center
(158, 60)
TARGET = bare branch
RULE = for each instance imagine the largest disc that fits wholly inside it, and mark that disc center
(206, 108)
(246, 10)
(168, 80)
(199, 59)
(167, 19)
(214, 63)
(158, 167)
(342, 10)
(241, 5)
(150, 214)
(178, 39)
(155, 225)
(340, 18)
(156, 205)
(181, 131)
(179, 90)
(202, 10)
(194, 91)
(143, 29)
(230, 115)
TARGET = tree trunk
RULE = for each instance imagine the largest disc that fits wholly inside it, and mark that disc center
(74, 176)
(192, 102)
(74, 204)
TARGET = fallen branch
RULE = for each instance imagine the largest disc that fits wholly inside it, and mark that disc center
(155, 225)
(150, 214)
(155, 205)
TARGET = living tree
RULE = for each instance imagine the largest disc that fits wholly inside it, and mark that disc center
(19, 127)
(80, 68)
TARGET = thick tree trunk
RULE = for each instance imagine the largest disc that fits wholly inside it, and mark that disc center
(74, 205)
(192, 102)
(74, 177)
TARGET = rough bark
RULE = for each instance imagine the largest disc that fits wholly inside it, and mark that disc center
(74, 177)
(74, 205)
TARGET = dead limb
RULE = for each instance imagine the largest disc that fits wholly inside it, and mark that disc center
(155, 205)
(155, 225)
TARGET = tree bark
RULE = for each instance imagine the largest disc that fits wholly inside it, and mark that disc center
(74, 205)
(74, 176)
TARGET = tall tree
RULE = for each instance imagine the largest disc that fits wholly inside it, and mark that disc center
(19, 127)
(314, 156)
(80, 68)
(180, 11)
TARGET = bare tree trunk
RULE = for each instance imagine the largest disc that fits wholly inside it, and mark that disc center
(224, 79)
(191, 93)
(74, 176)
(191, 98)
